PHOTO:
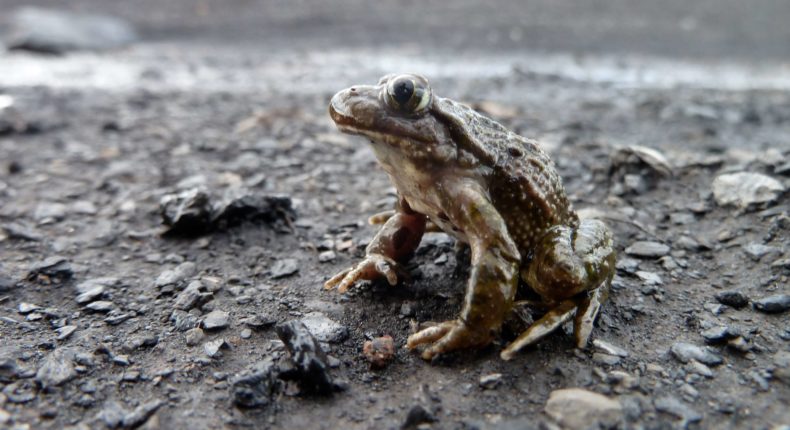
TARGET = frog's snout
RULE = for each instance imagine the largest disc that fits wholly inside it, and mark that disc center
(354, 108)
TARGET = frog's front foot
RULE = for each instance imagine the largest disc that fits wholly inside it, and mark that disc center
(446, 337)
(372, 267)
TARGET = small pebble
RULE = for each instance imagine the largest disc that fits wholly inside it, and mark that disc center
(732, 298)
(490, 381)
(379, 351)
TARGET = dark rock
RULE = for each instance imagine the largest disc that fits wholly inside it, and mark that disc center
(9, 370)
(241, 205)
(188, 213)
(56, 369)
(53, 31)
(423, 411)
(310, 365)
(686, 352)
(284, 267)
(773, 304)
(418, 415)
(255, 388)
(379, 351)
(732, 298)
(51, 270)
(194, 212)
(147, 340)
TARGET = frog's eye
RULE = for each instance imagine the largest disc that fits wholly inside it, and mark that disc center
(407, 94)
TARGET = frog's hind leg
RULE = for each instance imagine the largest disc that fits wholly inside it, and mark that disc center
(551, 321)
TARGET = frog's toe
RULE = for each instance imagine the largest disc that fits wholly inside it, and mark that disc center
(585, 317)
(445, 337)
(372, 267)
(545, 325)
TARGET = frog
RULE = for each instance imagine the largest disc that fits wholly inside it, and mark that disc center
(499, 193)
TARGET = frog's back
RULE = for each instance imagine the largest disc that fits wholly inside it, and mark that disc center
(523, 181)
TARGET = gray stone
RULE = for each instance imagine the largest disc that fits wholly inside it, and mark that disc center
(327, 256)
(140, 414)
(101, 306)
(216, 320)
(66, 331)
(773, 304)
(26, 308)
(175, 277)
(194, 336)
(756, 251)
(719, 334)
(93, 289)
(695, 366)
(686, 352)
(675, 407)
(647, 249)
(284, 267)
(323, 328)
(255, 387)
(781, 369)
(56, 369)
(212, 348)
(58, 31)
(183, 321)
(649, 278)
(744, 189)
(192, 296)
(578, 409)
(606, 359)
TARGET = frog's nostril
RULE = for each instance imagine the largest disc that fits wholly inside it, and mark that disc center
(352, 89)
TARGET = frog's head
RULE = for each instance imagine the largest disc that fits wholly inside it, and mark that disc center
(399, 113)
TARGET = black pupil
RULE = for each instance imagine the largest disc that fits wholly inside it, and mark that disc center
(402, 91)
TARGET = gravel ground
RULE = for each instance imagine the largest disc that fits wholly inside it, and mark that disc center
(107, 320)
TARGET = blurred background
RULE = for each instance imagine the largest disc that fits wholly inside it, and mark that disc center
(748, 43)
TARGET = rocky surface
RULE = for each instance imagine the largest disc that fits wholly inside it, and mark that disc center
(108, 322)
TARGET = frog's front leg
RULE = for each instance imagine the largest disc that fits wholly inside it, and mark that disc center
(493, 278)
(394, 243)
(573, 268)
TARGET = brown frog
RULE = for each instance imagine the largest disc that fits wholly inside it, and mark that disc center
(488, 187)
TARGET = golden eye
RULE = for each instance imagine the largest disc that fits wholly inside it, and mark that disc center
(407, 94)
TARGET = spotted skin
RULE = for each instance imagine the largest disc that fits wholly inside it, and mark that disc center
(467, 175)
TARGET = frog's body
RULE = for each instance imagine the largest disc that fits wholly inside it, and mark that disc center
(488, 187)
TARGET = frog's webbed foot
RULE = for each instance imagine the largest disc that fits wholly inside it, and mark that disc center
(585, 310)
(372, 267)
(446, 337)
